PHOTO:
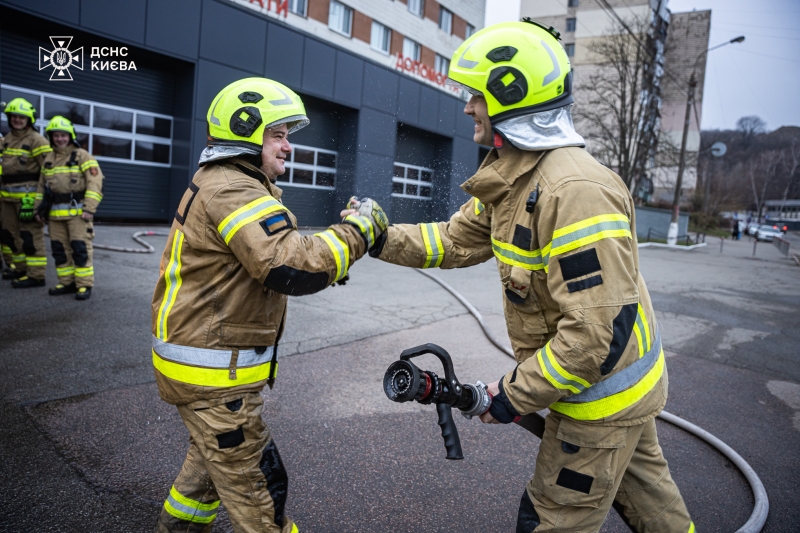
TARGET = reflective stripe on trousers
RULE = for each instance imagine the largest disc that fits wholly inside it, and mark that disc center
(190, 510)
(619, 391)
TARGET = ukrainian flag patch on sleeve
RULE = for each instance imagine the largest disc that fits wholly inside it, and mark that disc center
(276, 223)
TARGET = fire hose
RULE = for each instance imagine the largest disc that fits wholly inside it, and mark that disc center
(761, 507)
(148, 248)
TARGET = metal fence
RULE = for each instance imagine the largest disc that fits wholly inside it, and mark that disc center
(657, 236)
(782, 245)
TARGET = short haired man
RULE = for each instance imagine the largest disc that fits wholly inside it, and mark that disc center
(233, 256)
(583, 330)
(71, 187)
(24, 151)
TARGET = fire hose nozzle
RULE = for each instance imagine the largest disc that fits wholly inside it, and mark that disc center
(482, 400)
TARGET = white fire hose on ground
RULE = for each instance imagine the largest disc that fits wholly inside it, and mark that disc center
(148, 248)
(761, 508)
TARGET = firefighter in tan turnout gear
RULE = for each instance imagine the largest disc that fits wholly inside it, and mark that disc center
(70, 189)
(233, 256)
(561, 228)
(24, 151)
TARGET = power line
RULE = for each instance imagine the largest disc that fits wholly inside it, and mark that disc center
(771, 57)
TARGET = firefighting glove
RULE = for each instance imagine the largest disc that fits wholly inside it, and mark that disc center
(371, 220)
(26, 208)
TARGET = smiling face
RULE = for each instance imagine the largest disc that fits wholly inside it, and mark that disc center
(476, 108)
(60, 138)
(275, 150)
(18, 122)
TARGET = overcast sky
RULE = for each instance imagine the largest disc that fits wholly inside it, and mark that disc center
(760, 76)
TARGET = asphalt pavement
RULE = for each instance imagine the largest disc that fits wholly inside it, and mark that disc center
(88, 446)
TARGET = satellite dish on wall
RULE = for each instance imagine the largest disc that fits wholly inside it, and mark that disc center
(718, 149)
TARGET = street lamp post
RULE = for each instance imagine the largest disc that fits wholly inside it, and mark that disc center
(672, 234)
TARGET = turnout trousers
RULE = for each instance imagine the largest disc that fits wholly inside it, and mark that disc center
(233, 459)
(71, 244)
(25, 241)
(5, 242)
(583, 470)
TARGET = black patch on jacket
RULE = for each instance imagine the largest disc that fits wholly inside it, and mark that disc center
(623, 326)
(181, 218)
(572, 480)
(580, 264)
(514, 298)
(231, 439)
(272, 467)
(276, 223)
(501, 408)
(583, 284)
(287, 280)
(527, 517)
(522, 237)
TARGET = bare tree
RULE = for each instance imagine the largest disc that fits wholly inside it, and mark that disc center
(616, 111)
(761, 170)
(751, 126)
(791, 163)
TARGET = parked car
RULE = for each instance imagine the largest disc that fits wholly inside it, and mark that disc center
(752, 228)
(767, 233)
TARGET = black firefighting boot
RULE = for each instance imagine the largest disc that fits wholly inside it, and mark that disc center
(63, 289)
(11, 273)
(27, 283)
(84, 293)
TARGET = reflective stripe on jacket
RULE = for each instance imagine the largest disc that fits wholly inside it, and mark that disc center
(233, 256)
(577, 309)
(23, 154)
(74, 178)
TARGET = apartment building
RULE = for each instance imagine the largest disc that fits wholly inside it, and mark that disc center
(674, 41)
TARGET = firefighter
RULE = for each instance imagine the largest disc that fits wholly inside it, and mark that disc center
(24, 151)
(233, 256)
(561, 228)
(70, 189)
(8, 258)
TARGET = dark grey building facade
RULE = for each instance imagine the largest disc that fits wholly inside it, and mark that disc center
(374, 132)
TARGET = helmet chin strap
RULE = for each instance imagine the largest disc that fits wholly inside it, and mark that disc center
(498, 140)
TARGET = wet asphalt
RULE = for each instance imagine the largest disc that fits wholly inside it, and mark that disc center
(87, 446)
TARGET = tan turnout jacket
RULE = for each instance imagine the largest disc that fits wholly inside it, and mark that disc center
(232, 258)
(576, 306)
(75, 181)
(23, 156)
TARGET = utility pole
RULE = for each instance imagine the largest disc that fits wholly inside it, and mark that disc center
(672, 233)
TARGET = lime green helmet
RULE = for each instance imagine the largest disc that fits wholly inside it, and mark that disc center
(20, 106)
(519, 67)
(240, 112)
(59, 123)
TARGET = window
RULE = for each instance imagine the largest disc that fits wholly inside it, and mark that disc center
(108, 132)
(416, 7)
(410, 49)
(470, 30)
(445, 20)
(307, 166)
(442, 64)
(572, 3)
(570, 25)
(411, 181)
(340, 18)
(569, 48)
(298, 7)
(380, 38)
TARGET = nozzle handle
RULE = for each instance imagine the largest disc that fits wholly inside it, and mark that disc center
(449, 431)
